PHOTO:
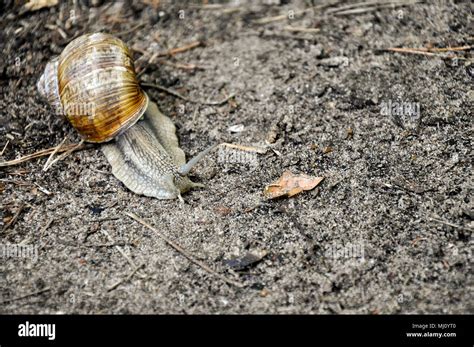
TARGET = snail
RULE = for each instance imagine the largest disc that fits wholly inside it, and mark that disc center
(93, 83)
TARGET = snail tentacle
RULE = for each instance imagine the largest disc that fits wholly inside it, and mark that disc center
(186, 168)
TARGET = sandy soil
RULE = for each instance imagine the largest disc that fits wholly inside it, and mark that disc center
(388, 231)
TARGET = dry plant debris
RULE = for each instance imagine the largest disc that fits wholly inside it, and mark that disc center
(290, 184)
(35, 5)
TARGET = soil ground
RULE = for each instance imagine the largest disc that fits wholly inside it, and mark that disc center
(388, 231)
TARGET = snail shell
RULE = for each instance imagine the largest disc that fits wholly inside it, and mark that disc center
(93, 83)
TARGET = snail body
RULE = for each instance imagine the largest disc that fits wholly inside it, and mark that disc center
(93, 83)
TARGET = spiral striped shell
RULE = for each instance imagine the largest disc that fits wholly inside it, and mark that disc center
(93, 83)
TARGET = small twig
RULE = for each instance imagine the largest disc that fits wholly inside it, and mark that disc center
(357, 11)
(446, 49)
(47, 225)
(152, 59)
(44, 152)
(19, 172)
(126, 279)
(128, 31)
(422, 52)
(301, 29)
(231, 10)
(142, 71)
(18, 183)
(176, 94)
(372, 9)
(26, 295)
(64, 155)
(185, 253)
(370, 6)
(121, 251)
(411, 51)
(232, 103)
(349, 6)
(58, 29)
(50, 158)
(14, 218)
(181, 65)
(180, 49)
(449, 224)
(5, 147)
(43, 189)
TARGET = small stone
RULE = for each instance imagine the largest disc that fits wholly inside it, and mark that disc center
(335, 61)
(237, 128)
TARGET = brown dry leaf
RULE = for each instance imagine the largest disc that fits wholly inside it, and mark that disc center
(290, 184)
(35, 5)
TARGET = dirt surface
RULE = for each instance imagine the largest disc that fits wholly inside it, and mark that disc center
(387, 231)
